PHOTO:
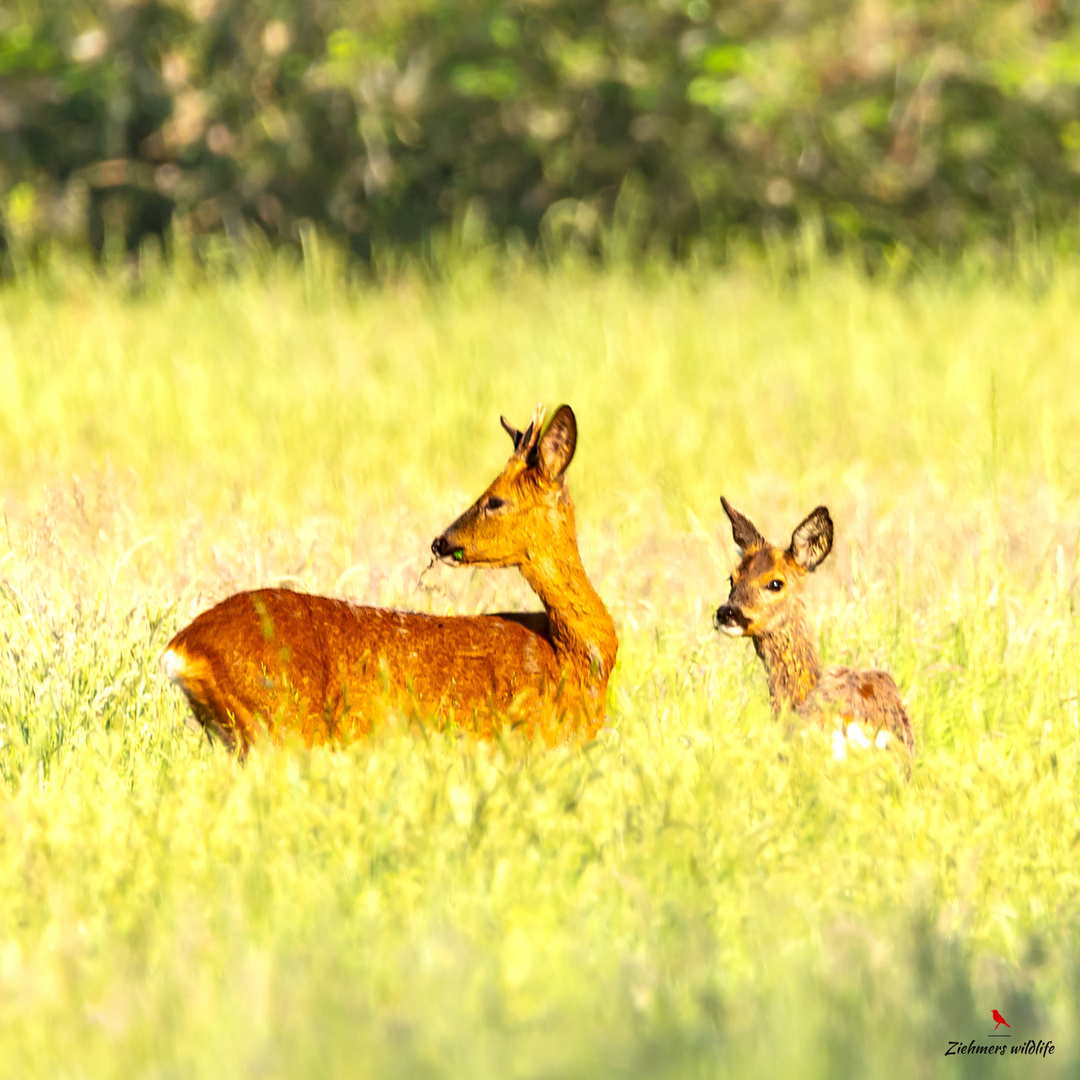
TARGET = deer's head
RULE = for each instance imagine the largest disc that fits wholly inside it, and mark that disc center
(526, 512)
(768, 579)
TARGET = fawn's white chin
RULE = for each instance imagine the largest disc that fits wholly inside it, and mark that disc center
(732, 630)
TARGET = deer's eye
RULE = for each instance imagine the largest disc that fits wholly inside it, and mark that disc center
(775, 585)
(494, 503)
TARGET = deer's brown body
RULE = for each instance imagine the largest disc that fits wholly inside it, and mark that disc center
(325, 669)
(765, 606)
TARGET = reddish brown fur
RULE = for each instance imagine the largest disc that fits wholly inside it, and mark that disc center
(325, 669)
(765, 605)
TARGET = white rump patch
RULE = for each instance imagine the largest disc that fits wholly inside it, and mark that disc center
(173, 665)
(839, 745)
(857, 737)
(854, 735)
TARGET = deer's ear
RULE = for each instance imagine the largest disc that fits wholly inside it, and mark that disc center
(812, 540)
(556, 449)
(743, 529)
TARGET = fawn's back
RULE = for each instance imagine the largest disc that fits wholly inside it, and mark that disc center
(283, 661)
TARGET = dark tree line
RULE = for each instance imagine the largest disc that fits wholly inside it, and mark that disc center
(666, 123)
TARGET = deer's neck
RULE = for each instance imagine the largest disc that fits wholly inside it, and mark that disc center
(791, 661)
(581, 628)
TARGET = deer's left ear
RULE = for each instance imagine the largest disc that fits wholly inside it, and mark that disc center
(556, 448)
(743, 531)
(812, 540)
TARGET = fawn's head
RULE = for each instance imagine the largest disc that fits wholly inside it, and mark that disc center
(769, 579)
(526, 511)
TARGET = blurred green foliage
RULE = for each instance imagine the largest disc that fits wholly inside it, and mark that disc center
(661, 124)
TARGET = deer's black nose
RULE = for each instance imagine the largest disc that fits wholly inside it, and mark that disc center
(729, 616)
(440, 547)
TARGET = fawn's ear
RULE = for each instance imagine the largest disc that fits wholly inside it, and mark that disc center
(556, 448)
(812, 540)
(743, 529)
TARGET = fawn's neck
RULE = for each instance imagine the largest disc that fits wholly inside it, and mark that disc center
(791, 661)
(582, 631)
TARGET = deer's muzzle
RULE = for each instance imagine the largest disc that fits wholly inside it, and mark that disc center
(443, 549)
(730, 620)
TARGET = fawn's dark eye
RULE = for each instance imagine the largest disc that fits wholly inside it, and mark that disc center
(775, 585)
(494, 503)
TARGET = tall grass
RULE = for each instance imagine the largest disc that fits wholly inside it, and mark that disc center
(701, 892)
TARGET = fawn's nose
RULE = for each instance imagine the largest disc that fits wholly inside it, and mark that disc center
(729, 618)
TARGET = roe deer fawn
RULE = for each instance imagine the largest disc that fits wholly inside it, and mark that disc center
(324, 668)
(765, 606)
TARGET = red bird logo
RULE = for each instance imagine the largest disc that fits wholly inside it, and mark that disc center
(1000, 1020)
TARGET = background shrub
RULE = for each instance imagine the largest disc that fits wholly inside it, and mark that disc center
(664, 124)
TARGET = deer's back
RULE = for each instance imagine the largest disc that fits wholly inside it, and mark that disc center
(869, 697)
(326, 668)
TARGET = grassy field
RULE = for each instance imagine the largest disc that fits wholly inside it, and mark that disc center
(701, 892)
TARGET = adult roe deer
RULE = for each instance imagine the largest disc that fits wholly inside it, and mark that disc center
(285, 661)
(765, 605)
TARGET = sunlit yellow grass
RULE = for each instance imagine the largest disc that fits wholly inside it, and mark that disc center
(701, 892)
